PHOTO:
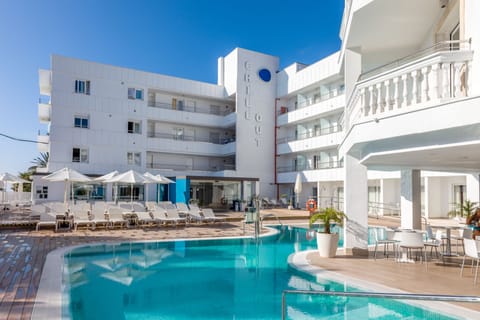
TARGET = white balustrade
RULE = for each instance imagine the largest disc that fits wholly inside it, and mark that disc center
(441, 76)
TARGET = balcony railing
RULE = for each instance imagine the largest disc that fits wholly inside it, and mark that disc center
(180, 167)
(190, 138)
(433, 75)
(309, 101)
(313, 134)
(315, 166)
(178, 107)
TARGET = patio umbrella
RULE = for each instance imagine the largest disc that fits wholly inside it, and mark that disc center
(105, 178)
(9, 178)
(158, 179)
(67, 175)
(130, 177)
(298, 187)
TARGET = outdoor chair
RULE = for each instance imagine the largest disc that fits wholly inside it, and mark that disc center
(471, 251)
(433, 241)
(410, 241)
(385, 241)
(209, 214)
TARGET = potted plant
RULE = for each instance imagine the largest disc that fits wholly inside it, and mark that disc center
(327, 242)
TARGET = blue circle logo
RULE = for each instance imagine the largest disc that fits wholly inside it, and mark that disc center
(265, 75)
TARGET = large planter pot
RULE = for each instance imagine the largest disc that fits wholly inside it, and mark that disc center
(327, 244)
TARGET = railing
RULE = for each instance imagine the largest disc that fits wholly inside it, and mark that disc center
(386, 209)
(378, 295)
(435, 74)
(312, 100)
(313, 134)
(171, 136)
(185, 108)
(317, 166)
(185, 167)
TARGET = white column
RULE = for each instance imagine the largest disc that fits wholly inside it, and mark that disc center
(405, 91)
(469, 78)
(433, 82)
(414, 87)
(363, 101)
(396, 93)
(410, 199)
(424, 85)
(388, 92)
(356, 206)
(445, 80)
(457, 79)
(379, 107)
(473, 188)
(371, 100)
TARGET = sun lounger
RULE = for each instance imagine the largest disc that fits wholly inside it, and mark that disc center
(194, 215)
(97, 214)
(182, 208)
(209, 214)
(145, 218)
(46, 218)
(159, 215)
(82, 218)
(173, 214)
(115, 217)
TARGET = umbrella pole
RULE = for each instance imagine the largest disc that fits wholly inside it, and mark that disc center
(131, 195)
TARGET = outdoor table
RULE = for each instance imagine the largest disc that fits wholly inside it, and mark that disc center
(63, 222)
(131, 217)
(448, 238)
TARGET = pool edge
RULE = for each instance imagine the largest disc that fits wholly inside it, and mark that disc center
(299, 262)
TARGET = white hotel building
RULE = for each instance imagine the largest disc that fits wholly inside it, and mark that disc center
(390, 123)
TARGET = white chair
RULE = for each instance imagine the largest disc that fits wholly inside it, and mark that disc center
(411, 240)
(209, 214)
(433, 241)
(471, 251)
(385, 242)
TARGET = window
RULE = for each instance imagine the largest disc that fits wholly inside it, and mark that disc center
(134, 127)
(79, 155)
(135, 94)
(42, 192)
(134, 158)
(81, 122)
(82, 86)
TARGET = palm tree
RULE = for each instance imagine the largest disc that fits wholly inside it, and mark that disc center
(40, 161)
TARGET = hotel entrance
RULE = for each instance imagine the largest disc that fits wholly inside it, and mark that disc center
(221, 194)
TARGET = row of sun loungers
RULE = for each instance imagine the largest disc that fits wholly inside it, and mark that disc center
(110, 215)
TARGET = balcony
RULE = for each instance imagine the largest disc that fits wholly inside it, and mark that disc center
(184, 144)
(312, 108)
(43, 142)
(190, 167)
(315, 140)
(45, 82)
(182, 107)
(325, 171)
(44, 111)
(435, 75)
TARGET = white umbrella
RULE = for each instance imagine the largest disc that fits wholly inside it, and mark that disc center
(9, 178)
(106, 177)
(131, 177)
(298, 187)
(67, 175)
(164, 180)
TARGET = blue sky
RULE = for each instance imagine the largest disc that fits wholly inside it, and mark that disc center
(182, 38)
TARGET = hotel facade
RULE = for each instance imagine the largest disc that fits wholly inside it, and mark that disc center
(389, 124)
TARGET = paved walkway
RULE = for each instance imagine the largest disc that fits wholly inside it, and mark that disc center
(23, 251)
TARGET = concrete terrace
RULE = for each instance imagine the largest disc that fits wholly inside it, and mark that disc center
(23, 253)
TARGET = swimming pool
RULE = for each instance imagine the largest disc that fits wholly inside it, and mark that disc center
(204, 279)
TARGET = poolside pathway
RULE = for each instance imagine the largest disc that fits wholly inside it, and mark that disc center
(23, 252)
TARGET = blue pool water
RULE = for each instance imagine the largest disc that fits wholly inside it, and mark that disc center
(207, 279)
